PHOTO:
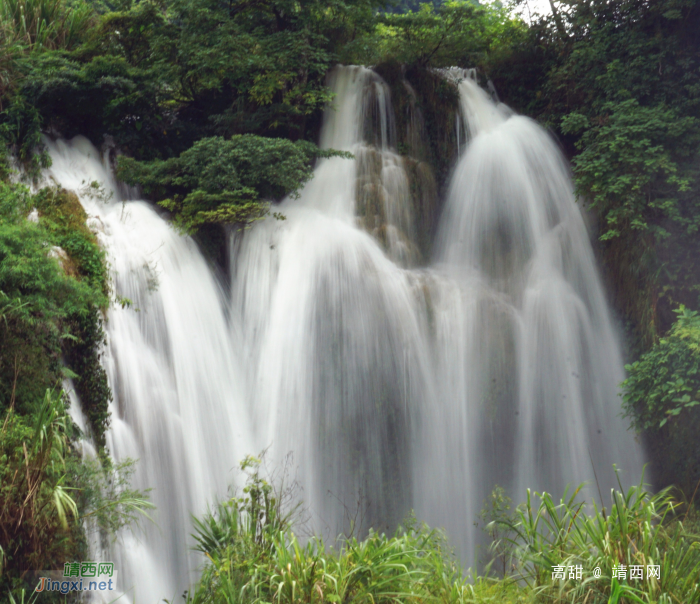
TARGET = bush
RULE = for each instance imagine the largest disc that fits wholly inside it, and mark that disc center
(665, 382)
(662, 398)
(454, 33)
(225, 181)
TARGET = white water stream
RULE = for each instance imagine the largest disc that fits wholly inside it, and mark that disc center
(394, 387)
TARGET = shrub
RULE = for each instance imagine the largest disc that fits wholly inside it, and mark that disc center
(225, 181)
(665, 382)
(662, 398)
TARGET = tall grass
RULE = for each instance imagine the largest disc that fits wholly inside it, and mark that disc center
(638, 529)
(35, 25)
(44, 24)
(34, 501)
(412, 567)
(253, 557)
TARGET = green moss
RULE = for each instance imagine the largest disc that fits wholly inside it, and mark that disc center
(64, 217)
(91, 384)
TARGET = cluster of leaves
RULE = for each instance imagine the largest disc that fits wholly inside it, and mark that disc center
(639, 529)
(47, 493)
(225, 181)
(456, 33)
(662, 398)
(158, 76)
(53, 285)
(93, 96)
(666, 380)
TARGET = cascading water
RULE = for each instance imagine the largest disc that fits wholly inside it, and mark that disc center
(172, 365)
(528, 359)
(425, 388)
(338, 357)
(394, 387)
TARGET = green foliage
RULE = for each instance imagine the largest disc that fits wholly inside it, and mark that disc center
(456, 33)
(90, 376)
(63, 216)
(47, 492)
(49, 309)
(254, 557)
(265, 562)
(258, 67)
(225, 181)
(638, 529)
(29, 28)
(104, 496)
(627, 166)
(94, 96)
(665, 381)
(662, 397)
(158, 76)
(246, 526)
(45, 24)
(39, 298)
(35, 504)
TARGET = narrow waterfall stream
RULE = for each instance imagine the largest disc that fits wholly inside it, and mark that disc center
(395, 381)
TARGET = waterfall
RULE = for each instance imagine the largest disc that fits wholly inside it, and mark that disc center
(528, 357)
(337, 349)
(174, 372)
(395, 381)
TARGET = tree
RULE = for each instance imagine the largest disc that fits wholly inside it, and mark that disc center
(225, 181)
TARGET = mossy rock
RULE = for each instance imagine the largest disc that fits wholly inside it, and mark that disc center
(63, 215)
